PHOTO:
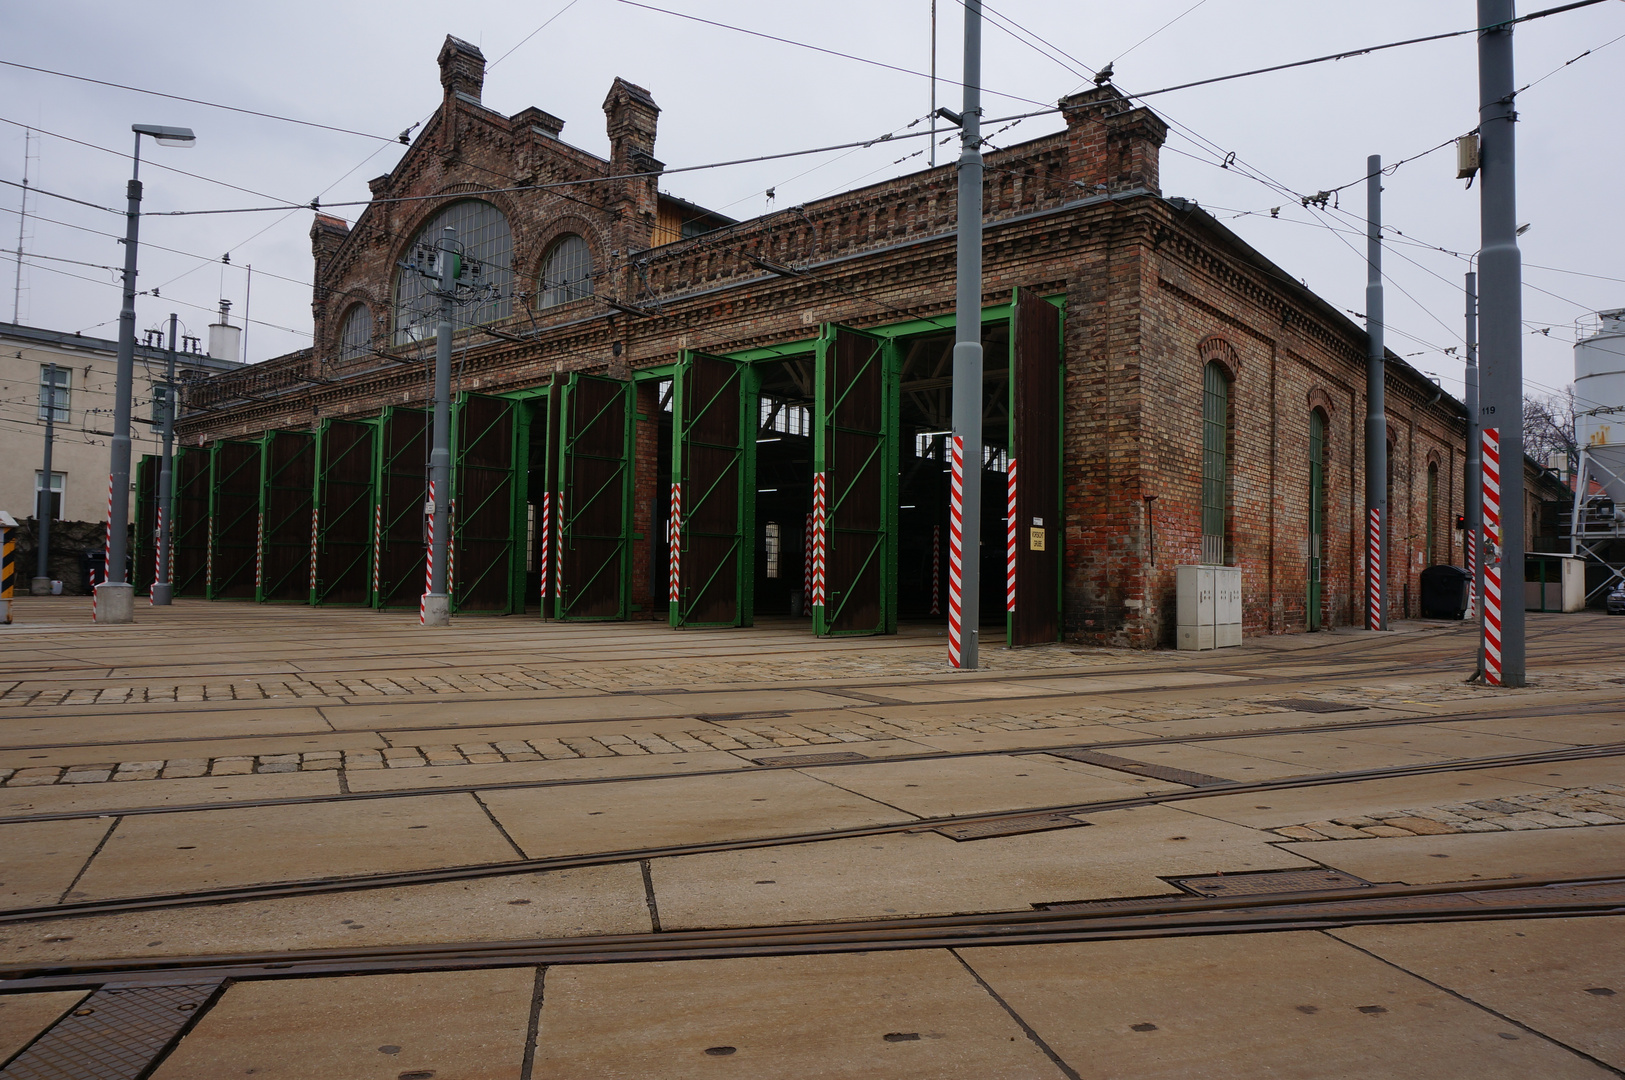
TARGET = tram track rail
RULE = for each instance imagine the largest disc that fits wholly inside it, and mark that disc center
(1172, 916)
(363, 882)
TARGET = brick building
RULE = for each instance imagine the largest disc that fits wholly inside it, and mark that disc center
(1168, 395)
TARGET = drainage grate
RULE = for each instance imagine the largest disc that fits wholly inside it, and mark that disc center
(113, 1034)
(1012, 826)
(1310, 705)
(1140, 768)
(1268, 882)
(812, 759)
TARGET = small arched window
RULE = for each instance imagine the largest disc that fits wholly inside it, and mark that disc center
(566, 273)
(355, 339)
(1215, 463)
(1433, 513)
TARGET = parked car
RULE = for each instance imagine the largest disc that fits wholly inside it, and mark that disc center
(1616, 600)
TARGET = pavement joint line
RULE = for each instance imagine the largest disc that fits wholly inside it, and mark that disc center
(525, 866)
(1027, 1029)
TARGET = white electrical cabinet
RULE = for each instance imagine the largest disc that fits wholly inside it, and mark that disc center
(1209, 607)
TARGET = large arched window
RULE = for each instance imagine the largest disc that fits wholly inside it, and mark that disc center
(566, 273)
(482, 235)
(355, 339)
(1215, 463)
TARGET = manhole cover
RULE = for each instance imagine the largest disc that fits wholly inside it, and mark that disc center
(1309, 705)
(1140, 768)
(794, 760)
(1014, 826)
(1268, 882)
(113, 1034)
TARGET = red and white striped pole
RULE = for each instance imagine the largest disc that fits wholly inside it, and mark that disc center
(1373, 574)
(315, 533)
(428, 564)
(1010, 538)
(157, 555)
(377, 548)
(545, 554)
(820, 524)
(1470, 543)
(674, 538)
(956, 526)
(806, 568)
(107, 550)
(1492, 555)
(259, 556)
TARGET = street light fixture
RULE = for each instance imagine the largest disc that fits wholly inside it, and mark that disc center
(115, 597)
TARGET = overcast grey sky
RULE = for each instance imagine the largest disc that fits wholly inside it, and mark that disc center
(370, 67)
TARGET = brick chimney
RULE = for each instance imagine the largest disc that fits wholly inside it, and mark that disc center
(1113, 144)
(630, 118)
(327, 235)
(462, 68)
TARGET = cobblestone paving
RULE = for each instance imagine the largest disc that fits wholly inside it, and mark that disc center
(639, 675)
(1599, 804)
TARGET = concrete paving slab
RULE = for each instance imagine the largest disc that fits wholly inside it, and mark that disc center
(1022, 740)
(190, 748)
(1328, 752)
(206, 849)
(749, 701)
(1450, 740)
(1562, 977)
(40, 859)
(1567, 774)
(1424, 860)
(1573, 730)
(1294, 806)
(561, 903)
(900, 1015)
(125, 723)
(1238, 1007)
(433, 736)
(654, 813)
(1246, 722)
(24, 1016)
(111, 798)
(877, 748)
(977, 785)
(1123, 853)
(1207, 758)
(531, 771)
(446, 1024)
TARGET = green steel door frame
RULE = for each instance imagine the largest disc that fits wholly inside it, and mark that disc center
(1317, 513)
(714, 409)
(144, 550)
(272, 479)
(223, 574)
(189, 532)
(855, 424)
(596, 442)
(331, 515)
(496, 501)
(388, 519)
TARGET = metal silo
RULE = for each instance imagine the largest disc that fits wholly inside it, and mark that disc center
(1599, 429)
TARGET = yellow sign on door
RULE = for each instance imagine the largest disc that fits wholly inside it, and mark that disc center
(1035, 539)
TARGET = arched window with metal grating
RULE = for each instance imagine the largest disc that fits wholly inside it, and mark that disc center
(483, 236)
(1215, 465)
(566, 273)
(355, 339)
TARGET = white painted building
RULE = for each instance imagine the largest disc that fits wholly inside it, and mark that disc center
(83, 374)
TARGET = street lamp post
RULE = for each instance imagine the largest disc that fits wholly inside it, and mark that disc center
(115, 597)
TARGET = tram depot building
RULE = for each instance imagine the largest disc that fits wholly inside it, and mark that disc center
(1156, 393)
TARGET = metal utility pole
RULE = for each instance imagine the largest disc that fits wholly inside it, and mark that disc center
(1501, 352)
(162, 588)
(933, 106)
(436, 604)
(1376, 419)
(965, 515)
(41, 585)
(1472, 503)
(115, 597)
